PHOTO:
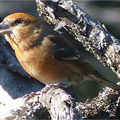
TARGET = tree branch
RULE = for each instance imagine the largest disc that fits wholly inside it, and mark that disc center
(91, 33)
(59, 104)
(40, 105)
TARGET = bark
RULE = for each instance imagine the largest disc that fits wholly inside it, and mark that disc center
(58, 104)
(65, 14)
(54, 102)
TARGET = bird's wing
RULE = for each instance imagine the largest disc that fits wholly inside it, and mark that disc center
(63, 49)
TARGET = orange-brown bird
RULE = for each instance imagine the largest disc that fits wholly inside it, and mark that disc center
(45, 54)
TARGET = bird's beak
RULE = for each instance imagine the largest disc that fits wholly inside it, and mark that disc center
(4, 29)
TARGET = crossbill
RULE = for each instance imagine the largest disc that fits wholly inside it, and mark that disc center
(47, 55)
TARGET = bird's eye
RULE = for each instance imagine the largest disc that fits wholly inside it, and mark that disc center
(18, 21)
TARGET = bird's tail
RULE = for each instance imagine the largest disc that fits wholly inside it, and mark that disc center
(90, 73)
(103, 80)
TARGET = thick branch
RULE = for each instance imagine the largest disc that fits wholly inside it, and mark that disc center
(58, 105)
(38, 105)
(91, 33)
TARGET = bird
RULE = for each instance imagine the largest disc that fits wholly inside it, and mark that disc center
(46, 55)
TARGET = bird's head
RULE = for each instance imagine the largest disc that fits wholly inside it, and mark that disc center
(16, 20)
(21, 28)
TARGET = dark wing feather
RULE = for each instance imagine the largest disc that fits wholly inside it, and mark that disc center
(63, 49)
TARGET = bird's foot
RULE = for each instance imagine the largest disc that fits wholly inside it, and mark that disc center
(27, 97)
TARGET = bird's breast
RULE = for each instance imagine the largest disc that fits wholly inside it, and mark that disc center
(40, 64)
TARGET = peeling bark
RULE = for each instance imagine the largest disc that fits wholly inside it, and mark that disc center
(91, 33)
